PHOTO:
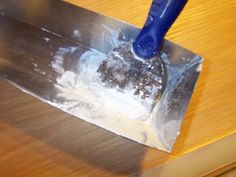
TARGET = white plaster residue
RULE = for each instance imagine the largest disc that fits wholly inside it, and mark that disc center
(58, 59)
(199, 68)
(40, 71)
(76, 34)
(46, 39)
(35, 65)
(87, 87)
(82, 94)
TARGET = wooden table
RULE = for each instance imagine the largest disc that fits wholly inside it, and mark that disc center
(39, 140)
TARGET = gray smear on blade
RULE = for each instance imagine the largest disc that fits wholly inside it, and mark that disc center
(123, 69)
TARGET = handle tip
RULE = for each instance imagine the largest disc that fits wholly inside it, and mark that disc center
(146, 47)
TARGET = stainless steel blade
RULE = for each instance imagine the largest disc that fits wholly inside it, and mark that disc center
(43, 44)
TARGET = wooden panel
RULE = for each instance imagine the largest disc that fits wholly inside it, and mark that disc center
(39, 140)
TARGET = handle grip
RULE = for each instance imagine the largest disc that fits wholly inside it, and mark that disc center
(162, 15)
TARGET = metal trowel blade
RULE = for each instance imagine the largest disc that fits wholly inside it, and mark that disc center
(62, 55)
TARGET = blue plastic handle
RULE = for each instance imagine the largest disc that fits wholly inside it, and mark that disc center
(162, 15)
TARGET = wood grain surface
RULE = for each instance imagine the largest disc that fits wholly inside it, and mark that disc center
(39, 140)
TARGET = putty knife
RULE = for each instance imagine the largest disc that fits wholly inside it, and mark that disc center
(125, 67)
(56, 52)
